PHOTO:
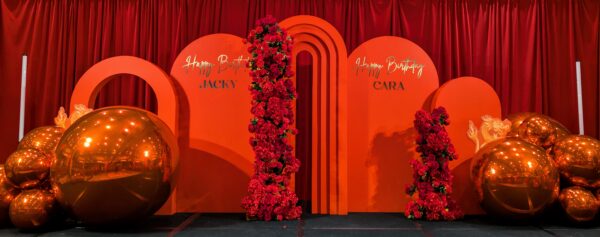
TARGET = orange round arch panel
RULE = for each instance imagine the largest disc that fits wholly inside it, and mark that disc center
(465, 98)
(217, 159)
(389, 79)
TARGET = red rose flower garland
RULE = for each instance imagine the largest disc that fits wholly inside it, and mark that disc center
(272, 91)
(432, 180)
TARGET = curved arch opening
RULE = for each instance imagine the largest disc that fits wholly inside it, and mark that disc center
(304, 124)
(126, 89)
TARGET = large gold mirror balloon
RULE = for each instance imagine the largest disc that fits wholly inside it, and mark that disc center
(579, 204)
(516, 120)
(114, 166)
(578, 160)
(33, 209)
(541, 130)
(514, 178)
(8, 192)
(27, 168)
(44, 139)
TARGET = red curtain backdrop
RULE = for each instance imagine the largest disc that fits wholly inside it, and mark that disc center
(525, 49)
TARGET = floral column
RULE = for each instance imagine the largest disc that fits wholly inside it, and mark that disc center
(269, 195)
(432, 178)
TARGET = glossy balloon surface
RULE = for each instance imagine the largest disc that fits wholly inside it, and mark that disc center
(27, 168)
(114, 166)
(579, 204)
(516, 120)
(541, 130)
(33, 209)
(514, 178)
(8, 192)
(578, 160)
(44, 139)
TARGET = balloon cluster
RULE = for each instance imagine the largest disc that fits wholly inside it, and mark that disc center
(520, 175)
(111, 166)
(26, 195)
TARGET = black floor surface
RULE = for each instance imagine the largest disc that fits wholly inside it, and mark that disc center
(354, 224)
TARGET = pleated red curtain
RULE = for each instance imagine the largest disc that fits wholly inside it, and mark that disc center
(525, 49)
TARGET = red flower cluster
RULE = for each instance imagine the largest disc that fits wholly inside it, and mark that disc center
(432, 178)
(272, 91)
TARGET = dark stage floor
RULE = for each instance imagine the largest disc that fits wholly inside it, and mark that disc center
(355, 224)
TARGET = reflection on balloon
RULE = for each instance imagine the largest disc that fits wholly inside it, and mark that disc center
(8, 192)
(44, 139)
(579, 204)
(27, 168)
(514, 178)
(578, 160)
(33, 209)
(516, 120)
(114, 166)
(541, 130)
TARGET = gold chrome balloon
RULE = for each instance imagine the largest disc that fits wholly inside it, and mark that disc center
(114, 166)
(578, 160)
(579, 204)
(33, 209)
(514, 178)
(541, 130)
(44, 139)
(8, 192)
(516, 120)
(27, 168)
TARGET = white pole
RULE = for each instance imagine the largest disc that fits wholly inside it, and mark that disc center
(23, 87)
(579, 99)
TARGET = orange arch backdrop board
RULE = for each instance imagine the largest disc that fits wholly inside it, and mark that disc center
(389, 79)
(362, 115)
(465, 98)
(217, 160)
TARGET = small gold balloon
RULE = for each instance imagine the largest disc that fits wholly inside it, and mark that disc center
(578, 160)
(516, 120)
(114, 166)
(514, 178)
(44, 139)
(579, 204)
(8, 192)
(541, 130)
(27, 168)
(33, 209)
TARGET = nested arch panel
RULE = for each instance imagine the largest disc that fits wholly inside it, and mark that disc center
(329, 110)
(320, 159)
(323, 181)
